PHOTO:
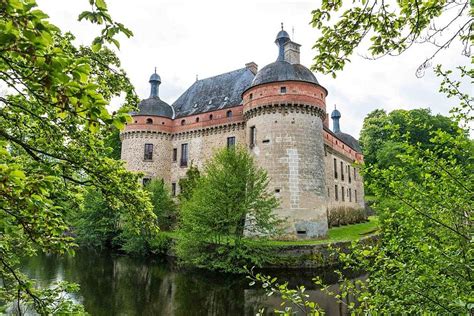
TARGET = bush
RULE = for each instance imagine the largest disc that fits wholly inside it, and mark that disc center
(230, 200)
(344, 215)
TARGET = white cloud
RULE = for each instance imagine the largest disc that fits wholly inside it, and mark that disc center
(209, 37)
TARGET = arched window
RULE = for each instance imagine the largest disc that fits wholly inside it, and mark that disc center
(183, 122)
(229, 113)
(149, 121)
(197, 119)
(210, 117)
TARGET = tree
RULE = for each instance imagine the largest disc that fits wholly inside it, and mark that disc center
(229, 200)
(383, 136)
(392, 27)
(188, 183)
(53, 119)
(423, 260)
(163, 205)
(94, 224)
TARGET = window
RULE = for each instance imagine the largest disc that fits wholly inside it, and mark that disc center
(175, 154)
(336, 193)
(283, 90)
(149, 121)
(329, 195)
(173, 189)
(184, 155)
(342, 171)
(251, 96)
(148, 152)
(355, 195)
(253, 136)
(349, 173)
(183, 122)
(197, 119)
(342, 194)
(230, 142)
(335, 169)
(354, 174)
(229, 113)
(350, 195)
(210, 117)
(146, 181)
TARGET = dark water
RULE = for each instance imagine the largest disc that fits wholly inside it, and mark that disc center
(119, 285)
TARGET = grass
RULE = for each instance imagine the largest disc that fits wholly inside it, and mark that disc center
(335, 234)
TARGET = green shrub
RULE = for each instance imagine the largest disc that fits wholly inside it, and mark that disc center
(344, 215)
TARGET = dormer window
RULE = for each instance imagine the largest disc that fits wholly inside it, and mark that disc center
(149, 121)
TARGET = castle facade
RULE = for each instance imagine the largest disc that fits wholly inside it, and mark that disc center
(278, 113)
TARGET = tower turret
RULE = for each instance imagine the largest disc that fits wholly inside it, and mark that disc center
(284, 109)
(155, 82)
(281, 39)
(335, 116)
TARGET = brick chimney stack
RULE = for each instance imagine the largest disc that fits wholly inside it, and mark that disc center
(253, 67)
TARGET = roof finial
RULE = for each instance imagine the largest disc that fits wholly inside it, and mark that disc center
(155, 69)
(335, 106)
(197, 77)
(282, 26)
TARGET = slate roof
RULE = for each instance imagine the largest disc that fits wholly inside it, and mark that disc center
(154, 106)
(349, 140)
(283, 71)
(214, 93)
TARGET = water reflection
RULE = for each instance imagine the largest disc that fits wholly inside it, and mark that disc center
(118, 285)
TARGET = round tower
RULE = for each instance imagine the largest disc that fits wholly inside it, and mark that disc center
(146, 141)
(284, 110)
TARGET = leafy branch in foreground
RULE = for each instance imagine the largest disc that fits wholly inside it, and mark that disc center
(53, 123)
(389, 28)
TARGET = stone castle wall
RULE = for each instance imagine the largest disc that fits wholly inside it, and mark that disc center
(133, 152)
(292, 143)
(202, 144)
(350, 187)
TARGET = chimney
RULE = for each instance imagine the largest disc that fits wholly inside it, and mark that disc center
(292, 52)
(253, 67)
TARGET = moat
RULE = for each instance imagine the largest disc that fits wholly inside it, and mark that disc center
(120, 285)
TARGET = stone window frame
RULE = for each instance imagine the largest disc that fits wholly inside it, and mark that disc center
(252, 136)
(231, 142)
(148, 152)
(184, 155)
(173, 189)
(335, 168)
(175, 154)
(342, 194)
(342, 171)
(336, 193)
(350, 194)
(146, 181)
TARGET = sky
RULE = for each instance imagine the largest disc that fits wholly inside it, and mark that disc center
(185, 39)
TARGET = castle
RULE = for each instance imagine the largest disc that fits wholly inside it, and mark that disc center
(278, 113)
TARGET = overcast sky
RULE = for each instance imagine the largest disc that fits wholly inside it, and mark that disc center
(209, 37)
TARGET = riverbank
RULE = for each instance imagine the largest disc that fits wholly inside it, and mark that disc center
(297, 254)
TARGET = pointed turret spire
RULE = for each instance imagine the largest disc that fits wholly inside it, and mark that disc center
(155, 82)
(281, 39)
(335, 115)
